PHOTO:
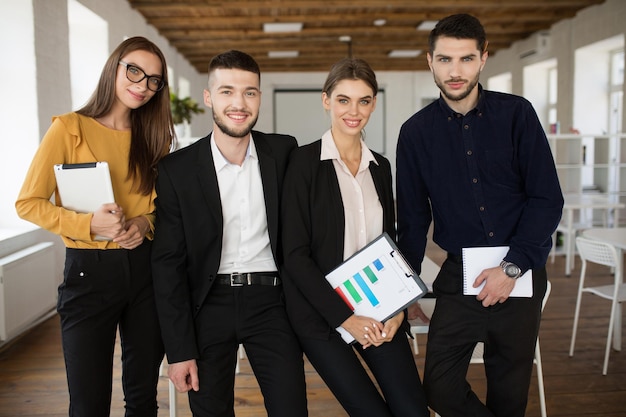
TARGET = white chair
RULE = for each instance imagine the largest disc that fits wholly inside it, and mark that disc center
(429, 272)
(604, 254)
(417, 325)
(477, 357)
(172, 391)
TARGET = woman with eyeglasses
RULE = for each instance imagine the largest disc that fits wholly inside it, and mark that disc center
(107, 284)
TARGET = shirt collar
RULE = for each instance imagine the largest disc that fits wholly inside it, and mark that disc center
(479, 105)
(221, 162)
(330, 151)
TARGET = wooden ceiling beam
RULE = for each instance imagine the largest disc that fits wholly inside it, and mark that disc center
(200, 29)
(517, 17)
(251, 5)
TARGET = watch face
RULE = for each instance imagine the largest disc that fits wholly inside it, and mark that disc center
(512, 270)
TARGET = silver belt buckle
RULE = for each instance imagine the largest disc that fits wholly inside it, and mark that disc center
(232, 280)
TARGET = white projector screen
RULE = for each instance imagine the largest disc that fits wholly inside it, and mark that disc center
(299, 112)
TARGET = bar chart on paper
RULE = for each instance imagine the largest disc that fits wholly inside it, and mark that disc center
(376, 282)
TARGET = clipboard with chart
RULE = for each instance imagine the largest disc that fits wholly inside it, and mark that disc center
(376, 282)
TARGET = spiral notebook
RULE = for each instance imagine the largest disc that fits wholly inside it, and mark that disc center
(475, 260)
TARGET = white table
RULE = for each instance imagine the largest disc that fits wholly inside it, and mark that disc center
(580, 202)
(615, 236)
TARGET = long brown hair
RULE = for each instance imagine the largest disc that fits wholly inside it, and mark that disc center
(151, 124)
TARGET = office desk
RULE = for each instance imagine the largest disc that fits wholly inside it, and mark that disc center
(580, 202)
(615, 236)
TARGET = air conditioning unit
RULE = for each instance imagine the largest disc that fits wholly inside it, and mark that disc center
(536, 44)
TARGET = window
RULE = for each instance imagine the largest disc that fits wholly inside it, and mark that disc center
(89, 50)
(616, 92)
(596, 68)
(552, 100)
(19, 108)
(540, 88)
(502, 83)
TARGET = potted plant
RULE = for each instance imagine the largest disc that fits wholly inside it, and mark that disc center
(183, 109)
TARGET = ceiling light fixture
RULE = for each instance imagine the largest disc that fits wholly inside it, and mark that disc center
(282, 27)
(427, 25)
(283, 54)
(405, 53)
(347, 39)
(380, 22)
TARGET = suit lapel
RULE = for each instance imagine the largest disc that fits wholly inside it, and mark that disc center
(208, 179)
(270, 187)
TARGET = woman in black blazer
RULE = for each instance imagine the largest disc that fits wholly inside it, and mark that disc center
(338, 197)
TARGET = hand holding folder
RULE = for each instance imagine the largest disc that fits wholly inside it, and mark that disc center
(85, 187)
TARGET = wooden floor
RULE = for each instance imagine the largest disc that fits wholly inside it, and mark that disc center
(32, 374)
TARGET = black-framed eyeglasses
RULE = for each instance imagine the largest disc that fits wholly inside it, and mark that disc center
(136, 75)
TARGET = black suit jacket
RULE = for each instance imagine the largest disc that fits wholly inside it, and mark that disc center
(313, 237)
(188, 232)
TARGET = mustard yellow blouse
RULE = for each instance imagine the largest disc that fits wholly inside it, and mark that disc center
(73, 138)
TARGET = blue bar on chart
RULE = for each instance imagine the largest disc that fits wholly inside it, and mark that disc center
(378, 265)
(366, 289)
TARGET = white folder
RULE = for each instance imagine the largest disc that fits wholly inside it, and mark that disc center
(84, 187)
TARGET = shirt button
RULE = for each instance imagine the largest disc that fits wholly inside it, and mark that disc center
(466, 127)
(491, 234)
(469, 153)
(482, 208)
(474, 180)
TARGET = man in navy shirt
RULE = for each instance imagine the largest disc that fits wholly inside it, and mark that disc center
(477, 163)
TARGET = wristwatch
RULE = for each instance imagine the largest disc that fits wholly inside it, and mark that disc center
(511, 270)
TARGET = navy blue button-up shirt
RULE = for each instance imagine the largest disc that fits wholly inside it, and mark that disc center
(489, 177)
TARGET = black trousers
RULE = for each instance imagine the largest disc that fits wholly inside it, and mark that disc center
(509, 331)
(104, 290)
(392, 364)
(254, 316)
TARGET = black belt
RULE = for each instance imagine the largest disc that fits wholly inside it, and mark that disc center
(237, 279)
(455, 258)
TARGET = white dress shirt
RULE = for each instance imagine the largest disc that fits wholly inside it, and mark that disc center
(245, 241)
(362, 209)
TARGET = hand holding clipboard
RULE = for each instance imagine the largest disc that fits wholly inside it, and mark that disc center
(376, 282)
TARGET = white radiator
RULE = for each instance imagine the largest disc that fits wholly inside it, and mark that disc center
(28, 288)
